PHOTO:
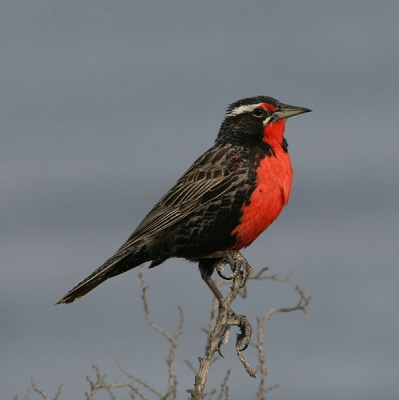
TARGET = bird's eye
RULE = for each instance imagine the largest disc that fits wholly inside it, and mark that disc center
(258, 112)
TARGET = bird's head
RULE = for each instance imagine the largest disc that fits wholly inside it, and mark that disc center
(257, 118)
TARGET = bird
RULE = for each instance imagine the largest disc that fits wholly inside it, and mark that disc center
(222, 203)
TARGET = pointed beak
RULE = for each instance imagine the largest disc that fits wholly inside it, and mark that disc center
(285, 111)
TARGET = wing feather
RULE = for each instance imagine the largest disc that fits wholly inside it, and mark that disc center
(209, 177)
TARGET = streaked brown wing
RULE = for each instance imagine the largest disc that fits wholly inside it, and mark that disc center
(209, 177)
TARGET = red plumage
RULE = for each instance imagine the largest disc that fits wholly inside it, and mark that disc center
(272, 192)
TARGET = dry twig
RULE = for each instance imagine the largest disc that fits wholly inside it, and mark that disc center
(172, 380)
(301, 305)
(41, 392)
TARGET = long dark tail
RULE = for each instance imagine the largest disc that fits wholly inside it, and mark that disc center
(112, 267)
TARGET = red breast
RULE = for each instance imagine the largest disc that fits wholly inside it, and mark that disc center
(272, 192)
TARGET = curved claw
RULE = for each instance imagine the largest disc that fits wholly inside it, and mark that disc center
(245, 346)
(219, 270)
(243, 338)
(229, 259)
(219, 348)
(223, 340)
(245, 332)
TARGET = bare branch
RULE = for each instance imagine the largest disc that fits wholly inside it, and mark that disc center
(134, 379)
(25, 397)
(209, 395)
(172, 381)
(214, 314)
(146, 307)
(223, 387)
(222, 318)
(100, 383)
(275, 277)
(191, 366)
(251, 372)
(41, 392)
(301, 305)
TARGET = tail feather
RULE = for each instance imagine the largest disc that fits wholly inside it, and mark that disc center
(80, 290)
(112, 267)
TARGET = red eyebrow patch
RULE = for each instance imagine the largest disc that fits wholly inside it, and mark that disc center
(269, 107)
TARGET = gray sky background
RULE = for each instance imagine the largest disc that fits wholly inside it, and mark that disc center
(105, 104)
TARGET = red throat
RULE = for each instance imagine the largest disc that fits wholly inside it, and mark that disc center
(274, 132)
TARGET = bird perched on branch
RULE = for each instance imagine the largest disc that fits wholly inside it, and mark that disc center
(224, 201)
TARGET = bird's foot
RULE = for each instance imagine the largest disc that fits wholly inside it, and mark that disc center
(220, 270)
(243, 338)
(239, 267)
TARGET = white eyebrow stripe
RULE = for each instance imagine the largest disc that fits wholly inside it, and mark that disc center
(243, 109)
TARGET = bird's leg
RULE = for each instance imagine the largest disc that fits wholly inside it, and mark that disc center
(241, 270)
(236, 261)
(211, 284)
(206, 267)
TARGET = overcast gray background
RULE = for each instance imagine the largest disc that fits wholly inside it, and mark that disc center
(105, 104)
